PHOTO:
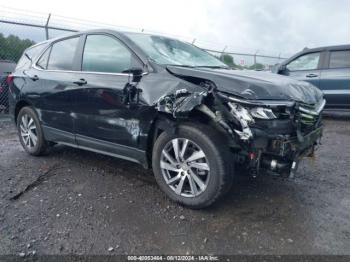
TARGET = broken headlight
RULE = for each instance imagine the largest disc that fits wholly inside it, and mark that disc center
(248, 114)
(262, 113)
(241, 112)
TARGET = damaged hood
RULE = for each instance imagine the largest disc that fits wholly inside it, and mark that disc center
(254, 84)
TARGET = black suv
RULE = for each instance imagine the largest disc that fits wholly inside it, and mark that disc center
(327, 68)
(164, 104)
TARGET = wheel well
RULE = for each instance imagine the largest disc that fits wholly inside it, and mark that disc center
(19, 106)
(165, 122)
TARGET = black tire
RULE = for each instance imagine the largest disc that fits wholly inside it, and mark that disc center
(217, 154)
(41, 146)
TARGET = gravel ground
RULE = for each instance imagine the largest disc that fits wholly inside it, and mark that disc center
(86, 203)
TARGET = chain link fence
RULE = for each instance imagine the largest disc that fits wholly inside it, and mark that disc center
(19, 30)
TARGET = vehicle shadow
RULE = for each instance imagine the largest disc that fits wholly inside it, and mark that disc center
(245, 190)
(106, 164)
(339, 115)
(250, 191)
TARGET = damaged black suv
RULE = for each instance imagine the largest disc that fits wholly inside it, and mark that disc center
(164, 104)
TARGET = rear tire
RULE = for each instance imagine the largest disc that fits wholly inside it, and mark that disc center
(30, 132)
(198, 175)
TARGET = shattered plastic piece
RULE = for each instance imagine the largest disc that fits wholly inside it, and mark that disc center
(217, 117)
(246, 134)
(180, 103)
(243, 116)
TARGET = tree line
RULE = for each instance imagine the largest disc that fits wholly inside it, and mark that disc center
(228, 60)
(12, 47)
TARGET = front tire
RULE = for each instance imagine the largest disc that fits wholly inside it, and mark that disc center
(193, 166)
(30, 132)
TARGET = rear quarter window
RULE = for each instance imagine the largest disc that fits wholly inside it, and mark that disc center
(28, 56)
(43, 60)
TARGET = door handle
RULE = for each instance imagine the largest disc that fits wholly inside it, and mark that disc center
(34, 77)
(311, 75)
(80, 82)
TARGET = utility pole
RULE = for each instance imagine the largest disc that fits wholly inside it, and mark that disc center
(47, 27)
(255, 59)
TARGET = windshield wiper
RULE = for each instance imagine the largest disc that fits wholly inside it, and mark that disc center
(214, 67)
(208, 66)
(180, 65)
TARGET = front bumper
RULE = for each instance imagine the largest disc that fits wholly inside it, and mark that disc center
(291, 147)
(281, 154)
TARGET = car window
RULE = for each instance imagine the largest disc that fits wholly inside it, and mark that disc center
(62, 54)
(168, 51)
(305, 62)
(28, 55)
(23, 63)
(105, 54)
(42, 63)
(339, 59)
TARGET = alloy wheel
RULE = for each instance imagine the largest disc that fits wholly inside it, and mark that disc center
(185, 167)
(28, 131)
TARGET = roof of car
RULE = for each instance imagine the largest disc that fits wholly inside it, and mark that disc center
(123, 35)
(322, 48)
(316, 49)
(111, 31)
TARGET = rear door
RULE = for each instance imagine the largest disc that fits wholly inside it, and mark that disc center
(55, 71)
(305, 68)
(335, 79)
(24, 85)
(103, 120)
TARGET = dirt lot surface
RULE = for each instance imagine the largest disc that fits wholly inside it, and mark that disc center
(86, 203)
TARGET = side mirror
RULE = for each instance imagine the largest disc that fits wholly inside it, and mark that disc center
(282, 68)
(131, 92)
(136, 73)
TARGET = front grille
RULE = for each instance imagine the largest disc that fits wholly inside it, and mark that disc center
(309, 115)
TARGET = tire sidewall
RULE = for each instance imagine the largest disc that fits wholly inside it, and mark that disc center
(37, 149)
(217, 166)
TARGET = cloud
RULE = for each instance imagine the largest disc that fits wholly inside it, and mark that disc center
(270, 27)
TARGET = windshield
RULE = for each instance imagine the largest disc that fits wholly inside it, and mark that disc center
(167, 51)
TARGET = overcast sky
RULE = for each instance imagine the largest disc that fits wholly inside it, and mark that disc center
(270, 26)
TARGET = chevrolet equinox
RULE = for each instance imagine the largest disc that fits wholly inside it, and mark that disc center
(164, 104)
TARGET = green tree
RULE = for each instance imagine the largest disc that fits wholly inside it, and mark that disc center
(12, 47)
(256, 66)
(228, 60)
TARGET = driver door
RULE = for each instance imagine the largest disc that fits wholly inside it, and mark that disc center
(103, 121)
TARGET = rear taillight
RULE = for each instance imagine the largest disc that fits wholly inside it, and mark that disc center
(9, 79)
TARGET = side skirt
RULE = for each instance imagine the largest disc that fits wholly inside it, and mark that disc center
(95, 145)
